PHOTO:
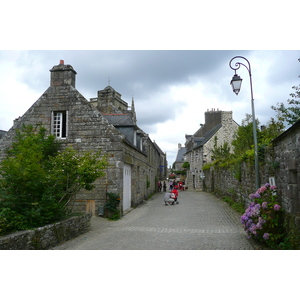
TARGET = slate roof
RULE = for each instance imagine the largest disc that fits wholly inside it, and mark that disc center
(295, 126)
(157, 148)
(180, 153)
(202, 140)
(120, 119)
(208, 134)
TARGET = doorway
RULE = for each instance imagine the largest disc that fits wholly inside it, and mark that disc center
(126, 187)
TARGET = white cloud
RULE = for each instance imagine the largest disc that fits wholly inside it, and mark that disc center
(172, 89)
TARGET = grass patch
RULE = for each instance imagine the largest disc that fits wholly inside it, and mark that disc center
(239, 207)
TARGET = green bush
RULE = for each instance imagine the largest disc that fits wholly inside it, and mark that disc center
(11, 221)
(37, 181)
(111, 206)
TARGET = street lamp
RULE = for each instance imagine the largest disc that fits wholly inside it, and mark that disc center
(236, 83)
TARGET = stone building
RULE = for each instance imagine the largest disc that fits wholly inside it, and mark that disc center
(180, 158)
(219, 128)
(163, 165)
(104, 123)
(2, 133)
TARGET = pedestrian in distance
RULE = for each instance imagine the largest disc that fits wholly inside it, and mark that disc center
(159, 186)
(165, 186)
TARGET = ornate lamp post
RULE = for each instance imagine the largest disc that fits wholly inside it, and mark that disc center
(236, 83)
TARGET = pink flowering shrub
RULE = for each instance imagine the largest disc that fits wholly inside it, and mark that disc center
(263, 219)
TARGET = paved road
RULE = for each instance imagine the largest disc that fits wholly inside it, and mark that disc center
(200, 221)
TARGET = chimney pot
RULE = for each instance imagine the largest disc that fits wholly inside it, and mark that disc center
(61, 62)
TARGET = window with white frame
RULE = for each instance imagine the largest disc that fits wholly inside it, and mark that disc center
(141, 143)
(134, 138)
(59, 124)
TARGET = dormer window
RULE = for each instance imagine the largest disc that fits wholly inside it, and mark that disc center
(134, 138)
(59, 124)
(141, 143)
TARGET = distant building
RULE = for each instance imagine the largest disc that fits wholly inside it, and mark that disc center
(163, 166)
(180, 158)
(104, 123)
(219, 128)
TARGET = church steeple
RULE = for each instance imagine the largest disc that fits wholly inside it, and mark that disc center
(133, 110)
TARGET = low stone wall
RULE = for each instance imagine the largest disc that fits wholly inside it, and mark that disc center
(237, 183)
(48, 236)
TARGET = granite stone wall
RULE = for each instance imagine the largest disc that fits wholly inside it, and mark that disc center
(281, 165)
(236, 182)
(48, 236)
(287, 151)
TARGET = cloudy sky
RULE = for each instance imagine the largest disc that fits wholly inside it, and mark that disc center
(171, 89)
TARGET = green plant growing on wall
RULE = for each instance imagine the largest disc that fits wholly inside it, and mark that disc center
(243, 138)
(147, 182)
(221, 153)
(38, 181)
(111, 206)
(236, 169)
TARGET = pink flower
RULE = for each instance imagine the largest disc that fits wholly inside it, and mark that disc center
(277, 207)
(261, 190)
(273, 187)
(264, 205)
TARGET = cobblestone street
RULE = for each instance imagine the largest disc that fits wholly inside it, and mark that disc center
(199, 222)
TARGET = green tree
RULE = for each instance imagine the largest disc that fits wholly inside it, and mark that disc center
(186, 165)
(272, 130)
(291, 113)
(37, 181)
(222, 152)
(24, 171)
(243, 139)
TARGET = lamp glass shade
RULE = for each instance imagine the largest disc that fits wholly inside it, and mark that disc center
(236, 83)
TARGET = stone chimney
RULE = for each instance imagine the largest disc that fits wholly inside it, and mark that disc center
(213, 117)
(62, 75)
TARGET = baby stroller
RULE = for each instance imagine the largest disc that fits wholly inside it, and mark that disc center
(170, 199)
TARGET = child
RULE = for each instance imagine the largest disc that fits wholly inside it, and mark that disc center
(175, 195)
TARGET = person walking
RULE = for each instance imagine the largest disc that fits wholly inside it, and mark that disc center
(171, 185)
(159, 186)
(165, 186)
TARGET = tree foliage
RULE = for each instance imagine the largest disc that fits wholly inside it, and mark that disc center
(243, 142)
(186, 165)
(222, 152)
(243, 138)
(290, 113)
(37, 180)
